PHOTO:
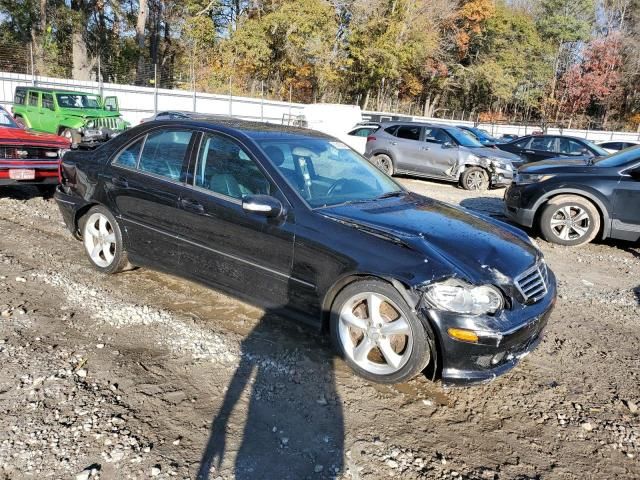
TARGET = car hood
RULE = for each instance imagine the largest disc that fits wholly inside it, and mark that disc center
(560, 165)
(454, 240)
(21, 136)
(494, 153)
(88, 112)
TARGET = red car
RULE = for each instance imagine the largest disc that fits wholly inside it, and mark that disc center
(27, 157)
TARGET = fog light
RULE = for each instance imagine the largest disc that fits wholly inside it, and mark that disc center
(463, 335)
(497, 358)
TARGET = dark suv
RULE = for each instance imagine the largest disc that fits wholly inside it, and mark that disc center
(573, 203)
(534, 148)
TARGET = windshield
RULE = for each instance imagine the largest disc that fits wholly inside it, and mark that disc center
(463, 138)
(600, 152)
(620, 159)
(7, 120)
(327, 172)
(78, 100)
(482, 136)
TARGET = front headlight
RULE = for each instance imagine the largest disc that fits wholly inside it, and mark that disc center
(501, 165)
(90, 124)
(459, 297)
(528, 178)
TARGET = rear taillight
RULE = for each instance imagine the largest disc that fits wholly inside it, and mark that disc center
(371, 138)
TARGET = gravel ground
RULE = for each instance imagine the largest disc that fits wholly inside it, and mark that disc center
(143, 375)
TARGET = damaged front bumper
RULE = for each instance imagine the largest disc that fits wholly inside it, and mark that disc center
(499, 349)
(501, 177)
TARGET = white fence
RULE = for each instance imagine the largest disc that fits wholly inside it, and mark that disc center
(137, 103)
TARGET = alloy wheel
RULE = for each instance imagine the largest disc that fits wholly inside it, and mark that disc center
(476, 181)
(375, 334)
(570, 222)
(100, 240)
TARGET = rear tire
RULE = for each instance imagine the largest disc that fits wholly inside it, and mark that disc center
(102, 240)
(475, 178)
(377, 334)
(384, 163)
(569, 220)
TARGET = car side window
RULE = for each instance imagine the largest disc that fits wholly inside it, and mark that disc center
(409, 132)
(391, 130)
(163, 153)
(224, 167)
(362, 132)
(545, 144)
(129, 156)
(33, 99)
(436, 135)
(571, 147)
(47, 101)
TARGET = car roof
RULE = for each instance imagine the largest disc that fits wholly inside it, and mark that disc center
(53, 90)
(252, 129)
(419, 124)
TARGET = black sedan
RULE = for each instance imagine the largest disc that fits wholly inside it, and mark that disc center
(572, 203)
(534, 148)
(297, 222)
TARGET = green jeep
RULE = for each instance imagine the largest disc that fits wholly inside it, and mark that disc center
(84, 118)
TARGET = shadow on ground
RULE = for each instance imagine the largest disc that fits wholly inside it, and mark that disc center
(276, 421)
(26, 192)
(486, 205)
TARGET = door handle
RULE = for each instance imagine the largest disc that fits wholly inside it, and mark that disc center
(393, 143)
(529, 151)
(425, 148)
(191, 205)
(120, 182)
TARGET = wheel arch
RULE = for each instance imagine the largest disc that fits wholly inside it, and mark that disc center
(406, 292)
(598, 203)
(79, 213)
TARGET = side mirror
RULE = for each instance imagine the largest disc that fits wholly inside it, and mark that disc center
(262, 205)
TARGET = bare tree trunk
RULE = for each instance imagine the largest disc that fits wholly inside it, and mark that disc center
(37, 39)
(365, 104)
(81, 62)
(143, 14)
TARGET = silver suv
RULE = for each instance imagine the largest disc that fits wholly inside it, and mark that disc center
(441, 152)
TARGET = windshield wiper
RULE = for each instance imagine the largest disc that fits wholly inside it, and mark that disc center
(395, 193)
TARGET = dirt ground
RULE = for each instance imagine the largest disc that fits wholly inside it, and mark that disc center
(143, 375)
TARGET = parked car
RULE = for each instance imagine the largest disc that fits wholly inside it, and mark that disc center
(27, 157)
(481, 136)
(296, 221)
(573, 203)
(533, 148)
(616, 146)
(85, 119)
(176, 115)
(441, 152)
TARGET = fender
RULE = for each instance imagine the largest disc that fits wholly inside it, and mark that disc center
(73, 123)
(606, 219)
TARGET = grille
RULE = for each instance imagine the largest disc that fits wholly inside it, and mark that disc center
(532, 284)
(108, 122)
(28, 153)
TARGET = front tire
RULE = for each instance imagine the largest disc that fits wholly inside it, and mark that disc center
(384, 163)
(377, 334)
(475, 178)
(102, 239)
(569, 220)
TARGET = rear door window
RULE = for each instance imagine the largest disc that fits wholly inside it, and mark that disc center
(543, 144)
(130, 155)
(409, 132)
(33, 99)
(47, 101)
(391, 130)
(522, 143)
